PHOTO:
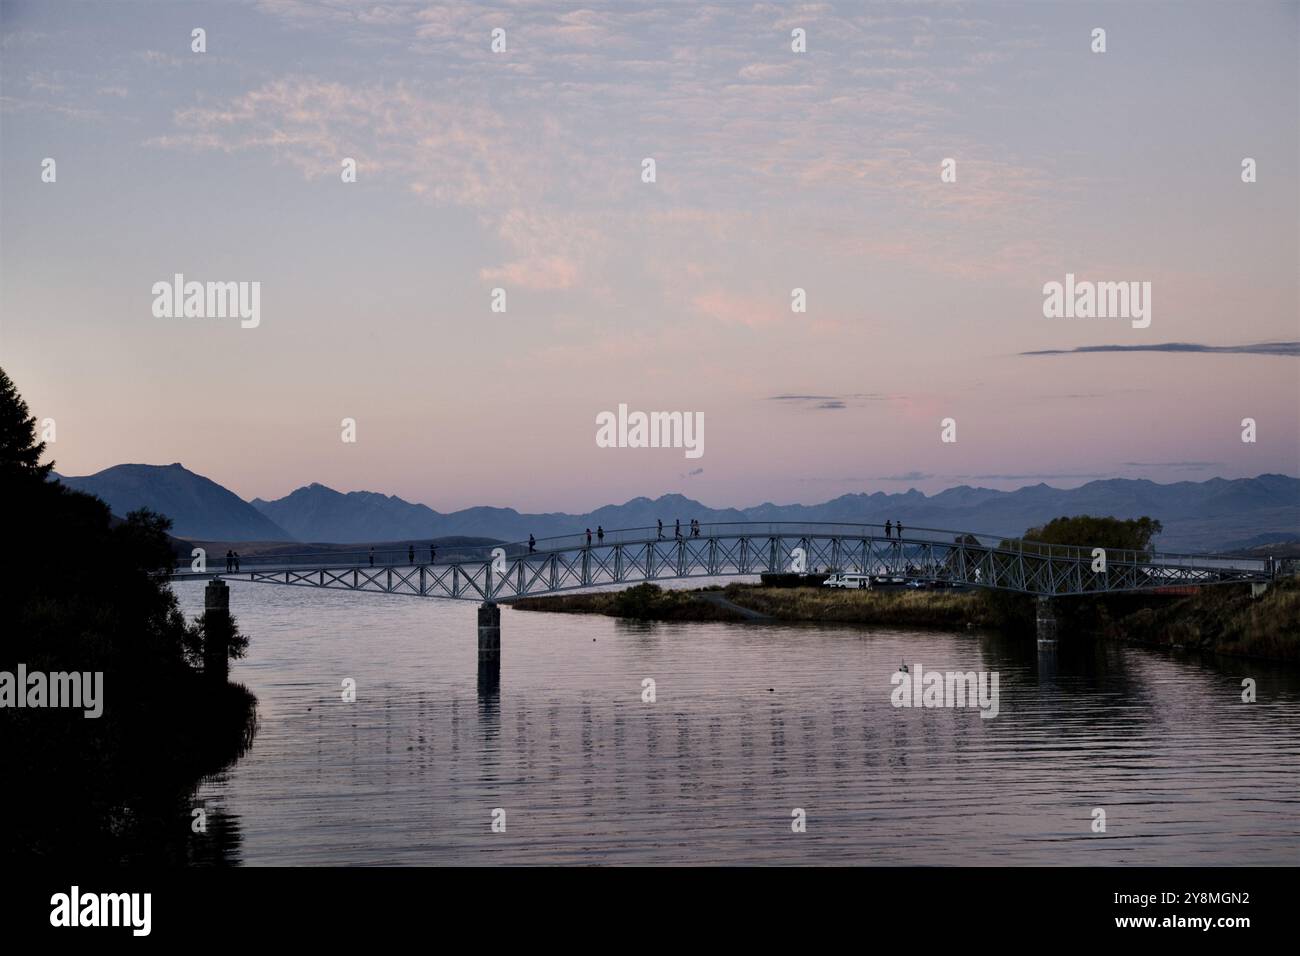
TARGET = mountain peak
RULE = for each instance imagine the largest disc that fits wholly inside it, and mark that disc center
(1202, 515)
(198, 507)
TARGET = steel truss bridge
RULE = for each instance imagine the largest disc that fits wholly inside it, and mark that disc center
(637, 555)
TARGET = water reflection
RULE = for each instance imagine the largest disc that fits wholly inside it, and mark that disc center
(219, 842)
(749, 723)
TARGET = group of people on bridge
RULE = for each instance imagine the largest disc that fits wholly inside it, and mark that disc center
(694, 528)
(410, 554)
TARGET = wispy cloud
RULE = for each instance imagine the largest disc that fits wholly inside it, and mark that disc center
(457, 151)
(1194, 465)
(1262, 348)
(827, 402)
(860, 95)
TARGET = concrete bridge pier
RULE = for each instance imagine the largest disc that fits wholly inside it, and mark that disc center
(217, 630)
(1046, 620)
(489, 646)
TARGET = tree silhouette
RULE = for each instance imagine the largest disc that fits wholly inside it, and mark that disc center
(1015, 612)
(82, 591)
(20, 452)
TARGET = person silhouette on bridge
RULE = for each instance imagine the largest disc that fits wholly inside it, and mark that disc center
(899, 528)
(372, 555)
(677, 529)
(532, 544)
(661, 528)
(433, 552)
(695, 528)
(600, 534)
(589, 537)
(236, 560)
(230, 560)
(410, 554)
(889, 529)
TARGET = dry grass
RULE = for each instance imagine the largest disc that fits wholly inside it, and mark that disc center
(1226, 620)
(644, 602)
(939, 609)
(942, 609)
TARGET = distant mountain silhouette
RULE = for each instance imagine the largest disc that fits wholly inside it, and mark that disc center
(199, 507)
(1265, 542)
(317, 513)
(1197, 516)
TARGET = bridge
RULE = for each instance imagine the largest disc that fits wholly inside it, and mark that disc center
(636, 555)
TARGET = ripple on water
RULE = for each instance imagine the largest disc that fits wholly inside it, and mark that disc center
(710, 773)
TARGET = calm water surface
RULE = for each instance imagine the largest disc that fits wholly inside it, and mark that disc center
(751, 721)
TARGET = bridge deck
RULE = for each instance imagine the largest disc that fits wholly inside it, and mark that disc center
(637, 555)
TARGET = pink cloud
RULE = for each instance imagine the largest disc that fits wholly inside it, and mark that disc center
(547, 273)
(731, 309)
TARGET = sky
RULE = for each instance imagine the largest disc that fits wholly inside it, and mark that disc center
(775, 170)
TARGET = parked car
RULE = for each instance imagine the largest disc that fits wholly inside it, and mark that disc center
(847, 579)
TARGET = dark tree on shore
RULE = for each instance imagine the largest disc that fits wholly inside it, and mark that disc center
(1015, 612)
(20, 452)
(1113, 534)
(81, 591)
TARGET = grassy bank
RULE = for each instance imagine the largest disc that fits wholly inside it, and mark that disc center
(937, 609)
(644, 602)
(1222, 620)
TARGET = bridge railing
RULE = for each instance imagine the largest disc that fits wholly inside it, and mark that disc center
(917, 535)
(913, 540)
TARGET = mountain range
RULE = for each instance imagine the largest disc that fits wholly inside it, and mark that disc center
(199, 507)
(1219, 513)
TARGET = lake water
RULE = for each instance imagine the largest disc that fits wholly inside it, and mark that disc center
(750, 723)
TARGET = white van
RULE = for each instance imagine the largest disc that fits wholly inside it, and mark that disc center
(850, 579)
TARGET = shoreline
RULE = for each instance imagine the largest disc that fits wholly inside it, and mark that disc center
(1224, 620)
(739, 603)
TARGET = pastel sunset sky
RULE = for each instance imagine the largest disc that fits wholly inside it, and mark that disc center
(775, 170)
